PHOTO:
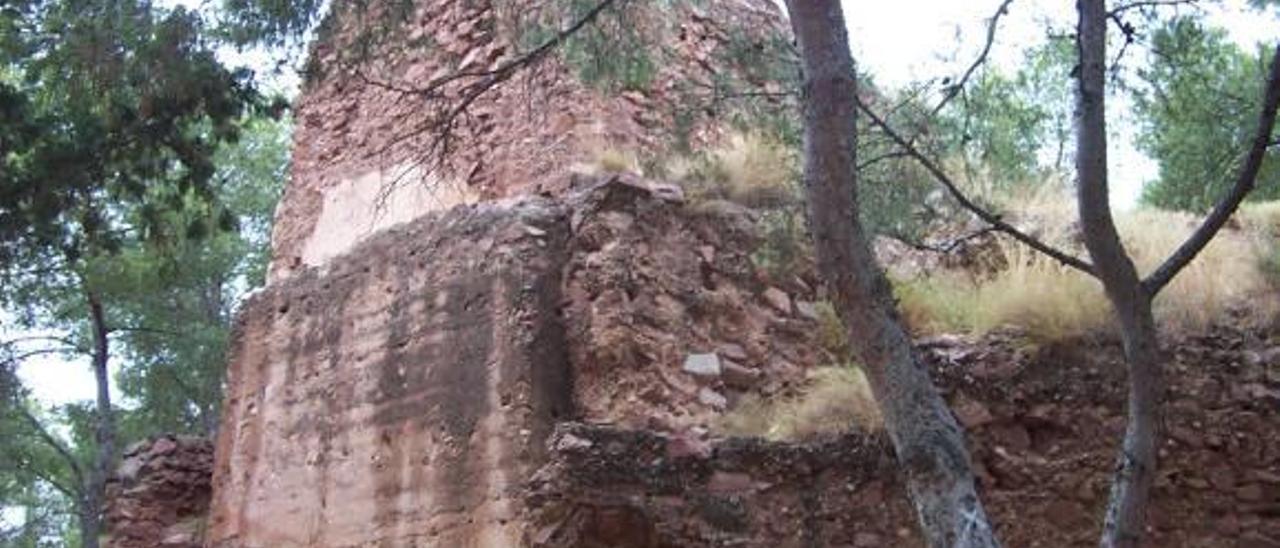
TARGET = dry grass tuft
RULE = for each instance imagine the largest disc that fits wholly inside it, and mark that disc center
(1046, 300)
(614, 160)
(604, 160)
(1226, 277)
(755, 171)
(831, 333)
(834, 401)
(747, 168)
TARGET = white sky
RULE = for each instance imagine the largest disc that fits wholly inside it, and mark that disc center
(901, 41)
(898, 41)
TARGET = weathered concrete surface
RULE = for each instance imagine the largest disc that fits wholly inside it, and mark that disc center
(159, 496)
(402, 397)
(403, 394)
(360, 134)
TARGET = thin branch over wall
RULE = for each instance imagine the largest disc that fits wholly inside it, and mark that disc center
(954, 190)
(451, 103)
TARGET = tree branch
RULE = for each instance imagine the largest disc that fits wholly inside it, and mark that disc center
(62, 451)
(17, 358)
(991, 219)
(1246, 178)
(443, 122)
(504, 71)
(955, 88)
(1148, 4)
(144, 329)
(69, 491)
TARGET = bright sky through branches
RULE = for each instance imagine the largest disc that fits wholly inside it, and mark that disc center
(904, 41)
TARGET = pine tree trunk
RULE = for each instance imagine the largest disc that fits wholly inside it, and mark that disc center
(928, 441)
(104, 429)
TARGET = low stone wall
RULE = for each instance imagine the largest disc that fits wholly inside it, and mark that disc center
(606, 487)
(1043, 425)
(160, 494)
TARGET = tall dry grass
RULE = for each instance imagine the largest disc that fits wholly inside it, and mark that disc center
(1051, 301)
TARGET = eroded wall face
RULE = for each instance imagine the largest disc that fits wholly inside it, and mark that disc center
(399, 398)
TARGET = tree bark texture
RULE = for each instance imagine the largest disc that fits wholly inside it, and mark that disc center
(1136, 463)
(104, 429)
(927, 440)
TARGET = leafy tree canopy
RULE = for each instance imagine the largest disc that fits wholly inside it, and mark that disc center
(111, 114)
(1198, 111)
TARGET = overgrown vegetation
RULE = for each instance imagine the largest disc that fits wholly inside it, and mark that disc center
(1230, 280)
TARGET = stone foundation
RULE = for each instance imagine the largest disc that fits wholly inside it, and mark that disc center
(402, 397)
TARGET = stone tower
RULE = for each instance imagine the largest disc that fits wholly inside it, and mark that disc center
(367, 153)
(396, 382)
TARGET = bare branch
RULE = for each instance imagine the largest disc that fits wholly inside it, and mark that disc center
(70, 491)
(17, 358)
(1142, 4)
(1246, 178)
(893, 154)
(994, 220)
(144, 329)
(946, 247)
(67, 344)
(955, 87)
(489, 78)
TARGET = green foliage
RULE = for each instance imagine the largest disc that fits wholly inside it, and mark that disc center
(998, 129)
(169, 304)
(1012, 130)
(107, 101)
(37, 486)
(181, 299)
(1198, 112)
(1003, 133)
(896, 196)
(270, 22)
(611, 54)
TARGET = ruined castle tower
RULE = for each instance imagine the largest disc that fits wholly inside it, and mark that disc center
(396, 382)
(645, 78)
(483, 348)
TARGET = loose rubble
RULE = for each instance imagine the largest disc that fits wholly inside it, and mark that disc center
(159, 497)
